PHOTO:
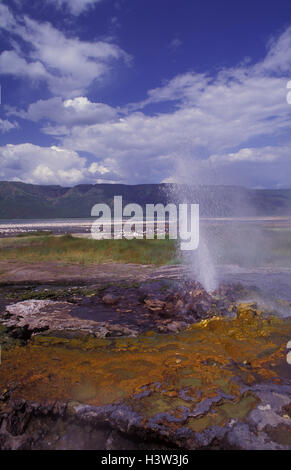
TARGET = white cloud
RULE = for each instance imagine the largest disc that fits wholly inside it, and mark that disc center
(218, 126)
(182, 88)
(96, 167)
(66, 113)
(11, 63)
(48, 165)
(278, 59)
(267, 166)
(254, 154)
(6, 17)
(148, 148)
(6, 126)
(76, 7)
(217, 129)
(67, 64)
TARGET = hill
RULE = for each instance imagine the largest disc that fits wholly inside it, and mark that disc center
(21, 200)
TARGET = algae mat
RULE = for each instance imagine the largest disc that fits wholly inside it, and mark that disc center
(154, 373)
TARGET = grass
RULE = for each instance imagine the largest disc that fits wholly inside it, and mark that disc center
(244, 245)
(70, 249)
(35, 233)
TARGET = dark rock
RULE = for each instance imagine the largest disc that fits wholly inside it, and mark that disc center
(176, 326)
(110, 299)
(155, 305)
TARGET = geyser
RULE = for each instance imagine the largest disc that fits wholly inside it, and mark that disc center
(201, 263)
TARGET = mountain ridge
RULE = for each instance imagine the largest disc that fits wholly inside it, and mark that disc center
(23, 200)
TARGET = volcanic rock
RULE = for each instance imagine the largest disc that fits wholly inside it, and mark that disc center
(155, 304)
(110, 299)
(35, 316)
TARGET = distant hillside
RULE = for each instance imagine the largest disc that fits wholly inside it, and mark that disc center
(20, 200)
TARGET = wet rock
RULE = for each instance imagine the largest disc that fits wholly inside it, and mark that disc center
(75, 426)
(223, 422)
(139, 307)
(176, 326)
(155, 305)
(38, 315)
(169, 306)
(185, 391)
(248, 310)
(119, 330)
(110, 299)
(35, 316)
(179, 304)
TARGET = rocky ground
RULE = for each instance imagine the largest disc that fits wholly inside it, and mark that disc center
(138, 358)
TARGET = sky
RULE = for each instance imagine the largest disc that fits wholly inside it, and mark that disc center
(146, 91)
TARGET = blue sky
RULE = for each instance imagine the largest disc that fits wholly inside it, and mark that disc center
(145, 91)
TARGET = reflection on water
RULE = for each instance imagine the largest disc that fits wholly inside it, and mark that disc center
(17, 226)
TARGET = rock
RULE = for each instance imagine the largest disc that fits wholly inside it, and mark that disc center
(40, 315)
(36, 316)
(179, 304)
(176, 326)
(119, 330)
(189, 391)
(251, 421)
(170, 306)
(247, 310)
(155, 304)
(110, 299)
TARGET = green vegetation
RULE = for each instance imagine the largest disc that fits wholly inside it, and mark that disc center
(248, 245)
(57, 294)
(69, 249)
(65, 293)
(36, 233)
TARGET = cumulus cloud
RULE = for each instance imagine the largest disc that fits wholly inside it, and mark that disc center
(11, 63)
(217, 130)
(219, 125)
(254, 154)
(267, 166)
(48, 165)
(66, 113)
(70, 71)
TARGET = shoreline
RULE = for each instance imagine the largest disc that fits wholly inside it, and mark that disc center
(62, 226)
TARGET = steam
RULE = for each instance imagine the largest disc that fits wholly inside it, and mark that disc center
(186, 190)
(221, 241)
